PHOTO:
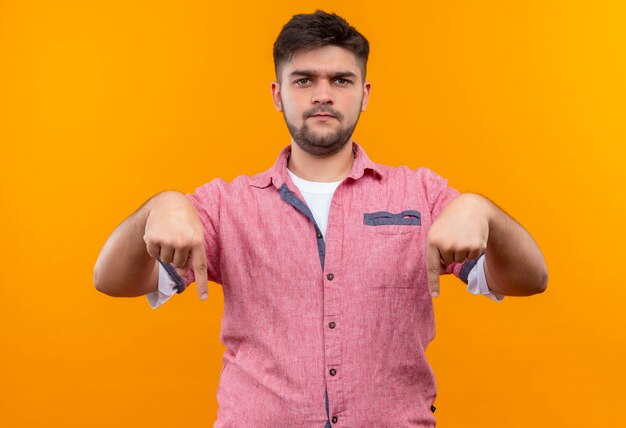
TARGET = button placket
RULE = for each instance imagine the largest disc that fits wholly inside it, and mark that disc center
(330, 298)
(333, 306)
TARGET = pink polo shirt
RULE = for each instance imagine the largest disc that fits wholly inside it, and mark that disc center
(351, 315)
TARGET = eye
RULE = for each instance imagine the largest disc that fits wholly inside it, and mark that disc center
(342, 82)
(302, 82)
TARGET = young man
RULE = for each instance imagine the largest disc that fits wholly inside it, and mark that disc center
(328, 261)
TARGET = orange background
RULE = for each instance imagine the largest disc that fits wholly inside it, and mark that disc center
(103, 104)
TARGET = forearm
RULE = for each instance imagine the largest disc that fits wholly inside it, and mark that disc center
(514, 264)
(124, 268)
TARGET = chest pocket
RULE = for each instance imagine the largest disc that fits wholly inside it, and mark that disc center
(392, 245)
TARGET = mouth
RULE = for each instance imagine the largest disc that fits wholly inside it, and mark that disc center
(323, 116)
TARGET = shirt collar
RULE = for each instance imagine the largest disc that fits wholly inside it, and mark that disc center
(277, 174)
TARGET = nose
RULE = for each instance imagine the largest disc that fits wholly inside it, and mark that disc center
(322, 93)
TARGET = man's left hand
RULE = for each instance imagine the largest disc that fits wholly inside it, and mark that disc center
(459, 233)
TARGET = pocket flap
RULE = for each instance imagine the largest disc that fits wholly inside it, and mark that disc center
(406, 218)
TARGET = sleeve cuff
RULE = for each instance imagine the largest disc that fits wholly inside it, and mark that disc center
(165, 290)
(477, 281)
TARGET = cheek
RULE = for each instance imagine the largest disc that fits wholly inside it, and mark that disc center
(293, 116)
(291, 107)
(355, 107)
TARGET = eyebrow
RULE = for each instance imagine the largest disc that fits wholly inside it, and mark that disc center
(309, 73)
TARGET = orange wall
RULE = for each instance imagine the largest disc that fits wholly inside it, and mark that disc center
(103, 104)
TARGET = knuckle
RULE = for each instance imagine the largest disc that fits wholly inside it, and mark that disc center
(432, 237)
(475, 245)
(197, 242)
(464, 247)
(179, 242)
(164, 242)
(149, 239)
(446, 249)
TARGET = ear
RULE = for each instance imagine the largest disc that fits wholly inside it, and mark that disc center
(276, 96)
(366, 94)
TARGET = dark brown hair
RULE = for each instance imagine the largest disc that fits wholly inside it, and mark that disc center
(316, 30)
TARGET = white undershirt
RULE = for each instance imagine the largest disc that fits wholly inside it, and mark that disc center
(318, 197)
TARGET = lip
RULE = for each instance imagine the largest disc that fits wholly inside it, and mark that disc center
(320, 116)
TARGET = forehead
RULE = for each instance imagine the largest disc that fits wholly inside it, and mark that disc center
(325, 60)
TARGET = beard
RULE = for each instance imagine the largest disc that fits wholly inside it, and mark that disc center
(321, 145)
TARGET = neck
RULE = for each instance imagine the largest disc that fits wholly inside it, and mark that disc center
(321, 169)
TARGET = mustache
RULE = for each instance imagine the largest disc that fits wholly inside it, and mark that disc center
(323, 109)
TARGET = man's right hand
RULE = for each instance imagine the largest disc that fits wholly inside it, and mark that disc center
(166, 226)
(175, 233)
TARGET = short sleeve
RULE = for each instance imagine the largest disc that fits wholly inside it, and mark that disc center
(438, 193)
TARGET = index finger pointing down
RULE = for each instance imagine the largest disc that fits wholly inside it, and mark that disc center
(433, 268)
(199, 262)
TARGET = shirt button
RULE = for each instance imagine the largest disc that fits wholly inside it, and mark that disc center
(319, 235)
(332, 324)
(332, 372)
(335, 419)
(330, 276)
